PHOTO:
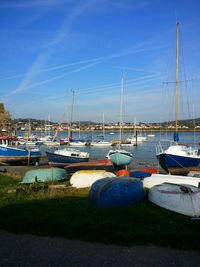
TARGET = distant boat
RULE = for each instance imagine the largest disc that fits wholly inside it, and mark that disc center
(100, 143)
(136, 137)
(11, 152)
(102, 164)
(180, 198)
(150, 135)
(177, 158)
(77, 143)
(65, 156)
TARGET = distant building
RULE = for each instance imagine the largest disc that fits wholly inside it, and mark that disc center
(5, 121)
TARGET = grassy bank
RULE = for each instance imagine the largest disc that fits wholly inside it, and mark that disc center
(66, 212)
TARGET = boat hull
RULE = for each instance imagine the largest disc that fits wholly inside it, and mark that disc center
(44, 175)
(103, 164)
(175, 164)
(116, 192)
(184, 199)
(60, 160)
(85, 178)
(120, 159)
(18, 155)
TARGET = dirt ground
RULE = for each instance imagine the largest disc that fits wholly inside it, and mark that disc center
(28, 250)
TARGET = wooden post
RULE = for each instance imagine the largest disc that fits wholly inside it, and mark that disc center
(136, 133)
(29, 157)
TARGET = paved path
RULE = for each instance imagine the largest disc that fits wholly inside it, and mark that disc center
(28, 250)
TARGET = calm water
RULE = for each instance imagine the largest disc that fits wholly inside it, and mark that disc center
(144, 153)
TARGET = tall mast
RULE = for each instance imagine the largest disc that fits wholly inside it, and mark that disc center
(103, 126)
(72, 109)
(121, 104)
(177, 61)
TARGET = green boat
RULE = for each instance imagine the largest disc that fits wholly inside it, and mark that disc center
(44, 175)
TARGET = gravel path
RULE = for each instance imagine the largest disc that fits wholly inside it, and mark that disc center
(28, 250)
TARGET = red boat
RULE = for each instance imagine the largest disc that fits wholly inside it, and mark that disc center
(102, 164)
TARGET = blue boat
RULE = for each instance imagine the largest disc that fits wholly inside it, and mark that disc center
(178, 159)
(63, 157)
(120, 157)
(116, 192)
(12, 153)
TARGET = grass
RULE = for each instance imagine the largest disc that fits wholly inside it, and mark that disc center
(67, 213)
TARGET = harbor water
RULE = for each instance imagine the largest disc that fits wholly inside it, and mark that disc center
(144, 153)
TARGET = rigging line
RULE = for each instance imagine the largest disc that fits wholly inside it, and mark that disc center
(133, 69)
(186, 85)
(117, 83)
(106, 89)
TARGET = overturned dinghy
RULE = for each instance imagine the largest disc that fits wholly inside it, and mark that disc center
(181, 198)
(44, 175)
(116, 192)
(85, 178)
(156, 179)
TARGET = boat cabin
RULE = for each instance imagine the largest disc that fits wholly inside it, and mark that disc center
(9, 141)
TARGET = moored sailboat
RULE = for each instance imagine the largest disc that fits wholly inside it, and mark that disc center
(177, 158)
(118, 155)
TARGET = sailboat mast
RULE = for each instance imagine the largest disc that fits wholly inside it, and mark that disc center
(177, 62)
(103, 126)
(121, 104)
(72, 108)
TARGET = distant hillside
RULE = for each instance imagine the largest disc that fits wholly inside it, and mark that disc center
(190, 123)
(39, 122)
(19, 123)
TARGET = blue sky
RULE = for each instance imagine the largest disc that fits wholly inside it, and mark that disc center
(51, 47)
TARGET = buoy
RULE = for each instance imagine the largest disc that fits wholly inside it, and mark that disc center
(123, 172)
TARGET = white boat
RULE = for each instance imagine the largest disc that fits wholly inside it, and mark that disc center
(156, 179)
(178, 158)
(180, 198)
(77, 143)
(51, 143)
(100, 143)
(85, 178)
(134, 139)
